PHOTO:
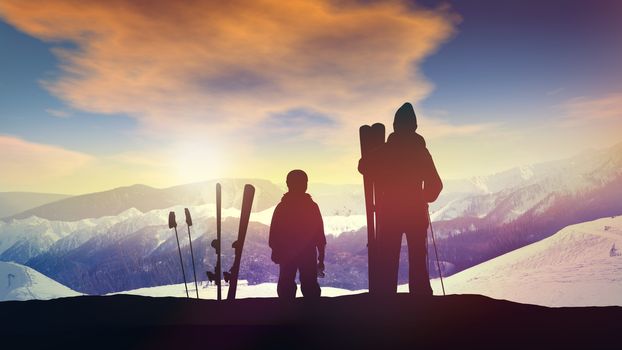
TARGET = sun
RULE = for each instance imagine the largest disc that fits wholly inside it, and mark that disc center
(198, 160)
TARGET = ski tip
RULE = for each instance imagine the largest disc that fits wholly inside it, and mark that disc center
(378, 126)
(249, 188)
(218, 186)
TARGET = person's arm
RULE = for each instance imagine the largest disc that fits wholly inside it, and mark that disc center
(320, 238)
(275, 234)
(432, 184)
(321, 254)
(320, 264)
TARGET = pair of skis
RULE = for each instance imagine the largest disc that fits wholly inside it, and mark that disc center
(371, 138)
(231, 276)
(172, 223)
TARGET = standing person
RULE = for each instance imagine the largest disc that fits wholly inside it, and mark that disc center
(406, 181)
(297, 239)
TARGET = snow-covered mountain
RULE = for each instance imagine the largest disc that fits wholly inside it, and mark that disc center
(535, 204)
(20, 282)
(479, 219)
(23, 239)
(581, 265)
(505, 196)
(107, 253)
(145, 198)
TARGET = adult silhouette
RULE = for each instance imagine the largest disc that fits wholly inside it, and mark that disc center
(406, 180)
(296, 238)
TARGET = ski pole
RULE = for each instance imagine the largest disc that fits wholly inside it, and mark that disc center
(218, 269)
(438, 264)
(194, 270)
(173, 224)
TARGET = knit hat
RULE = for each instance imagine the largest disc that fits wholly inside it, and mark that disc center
(405, 118)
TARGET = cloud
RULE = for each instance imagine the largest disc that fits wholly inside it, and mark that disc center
(25, 163)
(586, 110)
(438, 128)
(215, 66)
(296, 125)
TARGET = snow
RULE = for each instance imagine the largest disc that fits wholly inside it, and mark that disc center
(574, 267)
(505, 196)
(263, 290)
(19, 282)
(333, 224)
(526, 172)
(571, 268)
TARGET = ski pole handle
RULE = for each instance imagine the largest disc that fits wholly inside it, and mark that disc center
(188, 217)
(171, 220)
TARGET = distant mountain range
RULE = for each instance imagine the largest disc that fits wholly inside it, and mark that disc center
(12, 203)
(524, 205)
(145, 198)
(581, 265)
(118, 240)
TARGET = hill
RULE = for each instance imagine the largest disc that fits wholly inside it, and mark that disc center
(347, 322)
(578, 266)
(23, 283)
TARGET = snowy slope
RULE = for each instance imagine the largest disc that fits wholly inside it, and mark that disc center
(263, 290)
(18, 282)
(575, 267)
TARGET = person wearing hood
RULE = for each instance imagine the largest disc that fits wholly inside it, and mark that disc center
(297, 239)
(406, 180)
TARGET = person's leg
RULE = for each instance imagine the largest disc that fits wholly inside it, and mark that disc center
(286, 287)
(308, 276)
(388, 258)
(418, 277)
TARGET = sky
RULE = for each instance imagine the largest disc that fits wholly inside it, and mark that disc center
(100, 94)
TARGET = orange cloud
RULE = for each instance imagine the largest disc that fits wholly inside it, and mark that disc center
(25, 163)
(201, 66)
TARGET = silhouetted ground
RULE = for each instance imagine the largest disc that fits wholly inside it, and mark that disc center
(358, 321)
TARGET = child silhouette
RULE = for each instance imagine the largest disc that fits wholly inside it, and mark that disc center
(296, 238)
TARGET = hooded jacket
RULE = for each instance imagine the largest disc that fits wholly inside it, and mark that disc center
(404, 173)
(297, 228)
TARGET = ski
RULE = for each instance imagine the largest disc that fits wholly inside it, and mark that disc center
(232, 275)
(172, 223)
(371, 137)
(216, 275)
(194, 270)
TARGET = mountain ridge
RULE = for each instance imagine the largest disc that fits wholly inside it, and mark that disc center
(15, 202)
(146, 198)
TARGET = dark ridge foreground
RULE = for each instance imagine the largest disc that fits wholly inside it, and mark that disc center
(359, 321)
